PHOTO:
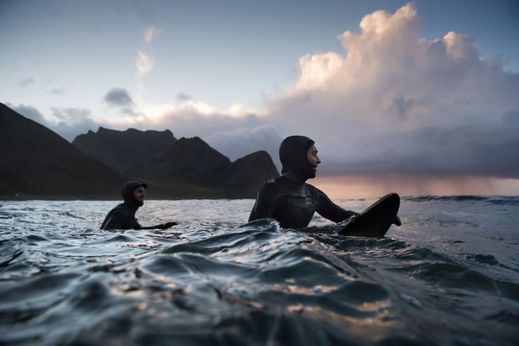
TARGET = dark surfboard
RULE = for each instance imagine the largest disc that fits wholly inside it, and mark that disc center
(376, 220)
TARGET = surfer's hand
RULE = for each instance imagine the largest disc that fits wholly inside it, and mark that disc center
(397, 221)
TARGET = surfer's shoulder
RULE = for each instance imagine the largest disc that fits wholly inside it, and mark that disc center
(270, 186)
(313, 190)
(271, 189)
(121, 210)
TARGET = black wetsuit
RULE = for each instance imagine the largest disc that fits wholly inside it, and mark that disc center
(293, 204)
(123, 215)
(288, 199)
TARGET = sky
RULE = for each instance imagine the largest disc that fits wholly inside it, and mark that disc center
(415, 97)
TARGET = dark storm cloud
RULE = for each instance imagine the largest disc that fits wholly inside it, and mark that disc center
(468, 150)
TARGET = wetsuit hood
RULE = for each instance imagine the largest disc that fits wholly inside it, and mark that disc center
(127, 193)
(293, 156)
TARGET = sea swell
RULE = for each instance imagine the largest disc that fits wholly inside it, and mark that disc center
(243, 284)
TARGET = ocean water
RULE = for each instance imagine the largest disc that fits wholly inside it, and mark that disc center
(448, 276)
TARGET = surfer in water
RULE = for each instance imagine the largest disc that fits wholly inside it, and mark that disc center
(123, 215)
(288, 198)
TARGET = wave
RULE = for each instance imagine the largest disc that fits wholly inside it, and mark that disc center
(250, 284)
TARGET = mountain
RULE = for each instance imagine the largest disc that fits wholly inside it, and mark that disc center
(183, 168)
(189, 160)
(249, 173)
(126, 148)
(34, 161)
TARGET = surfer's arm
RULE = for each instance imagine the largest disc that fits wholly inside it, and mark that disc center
(161, 226)
(331, 211)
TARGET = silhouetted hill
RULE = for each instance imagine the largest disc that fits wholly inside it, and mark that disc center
(187, 167)
(189, 160)
(249, 173)
(126, 148)
(34, 161)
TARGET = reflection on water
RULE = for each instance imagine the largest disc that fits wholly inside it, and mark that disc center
(448, 276)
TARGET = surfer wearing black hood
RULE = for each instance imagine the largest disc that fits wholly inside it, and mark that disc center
(123, 215)
(289, 199)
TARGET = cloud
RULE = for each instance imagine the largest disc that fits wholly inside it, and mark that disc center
(233, 134)
(183, 97)
(67, 122)
(463, 150)
(27, 82)
(151, 33)
(118, 97)
(144, 64)
(70, 114)
(395, 102)
(29, 112)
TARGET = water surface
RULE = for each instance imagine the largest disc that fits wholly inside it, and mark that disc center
(449, 275)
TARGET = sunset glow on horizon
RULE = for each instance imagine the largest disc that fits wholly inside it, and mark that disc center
(345, 187)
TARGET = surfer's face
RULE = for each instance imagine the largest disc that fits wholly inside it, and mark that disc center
(313, 159)
(139, 194)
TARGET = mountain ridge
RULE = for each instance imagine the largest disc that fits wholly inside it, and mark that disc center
(181, 164)
(36, 162)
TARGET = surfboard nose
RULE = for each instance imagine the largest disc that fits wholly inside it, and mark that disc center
(376, 219)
